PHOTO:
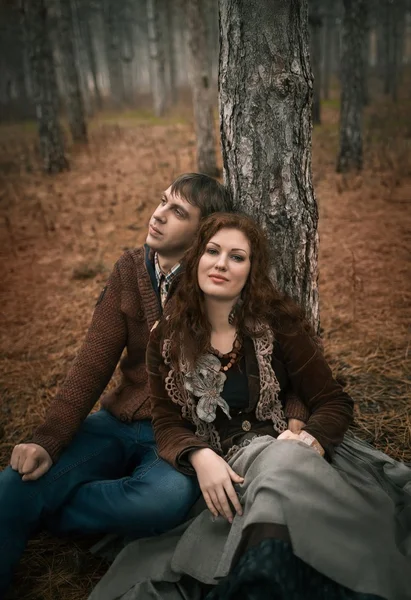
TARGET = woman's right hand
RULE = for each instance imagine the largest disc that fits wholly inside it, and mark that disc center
(216, 478)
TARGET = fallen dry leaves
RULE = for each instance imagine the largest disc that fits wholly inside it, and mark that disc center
(61, 235)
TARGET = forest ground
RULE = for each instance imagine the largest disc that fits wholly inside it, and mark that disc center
(61, 235)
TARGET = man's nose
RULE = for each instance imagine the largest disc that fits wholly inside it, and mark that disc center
(159, 215)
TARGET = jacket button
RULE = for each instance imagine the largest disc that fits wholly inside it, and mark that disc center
(246, 426)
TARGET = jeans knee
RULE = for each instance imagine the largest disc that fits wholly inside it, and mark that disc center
(163, 504)
(14, 493)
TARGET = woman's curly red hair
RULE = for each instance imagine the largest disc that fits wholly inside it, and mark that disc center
(261, 301)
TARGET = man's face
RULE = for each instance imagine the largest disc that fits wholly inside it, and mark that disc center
(173, 225)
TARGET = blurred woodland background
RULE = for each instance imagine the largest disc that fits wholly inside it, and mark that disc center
(104, 102)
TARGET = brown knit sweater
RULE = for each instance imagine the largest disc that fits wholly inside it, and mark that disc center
(124, 315)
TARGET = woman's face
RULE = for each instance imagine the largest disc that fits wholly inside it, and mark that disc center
(225, 265)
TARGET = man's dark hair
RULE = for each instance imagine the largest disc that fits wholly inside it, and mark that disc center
(203, 191)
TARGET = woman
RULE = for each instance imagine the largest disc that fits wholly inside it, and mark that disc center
(290, 517)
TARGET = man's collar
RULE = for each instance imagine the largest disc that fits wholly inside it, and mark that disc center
(160, 274)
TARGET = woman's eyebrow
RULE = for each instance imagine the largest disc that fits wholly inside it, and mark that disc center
(232, 249)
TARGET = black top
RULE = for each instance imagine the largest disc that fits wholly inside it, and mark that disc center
(235, 391)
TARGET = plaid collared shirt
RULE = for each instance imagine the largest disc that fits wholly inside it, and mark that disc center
(164, 279)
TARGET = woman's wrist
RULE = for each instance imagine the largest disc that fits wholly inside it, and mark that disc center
(193, 454)
(310, 440)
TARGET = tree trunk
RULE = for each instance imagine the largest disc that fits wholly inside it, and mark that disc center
(265, 87)
(112, 34)
(388, 40)
(91, 55)
(351, 116)
(329, 33)
(171, 51)
(200, 85)
(43, 79)
(73, 97)
(397, 36)
(157, 57)
(211, 7)
(366, 64)
(316, 21)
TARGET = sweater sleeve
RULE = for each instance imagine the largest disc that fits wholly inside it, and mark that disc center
(175, 436)
(90, 372)
(295, 408)
(331, 409)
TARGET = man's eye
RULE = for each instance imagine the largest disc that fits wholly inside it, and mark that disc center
(178, 212)
(163, 201)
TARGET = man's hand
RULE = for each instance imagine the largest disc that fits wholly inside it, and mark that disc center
(215, 477)
(295, 425)
(30, 460)
(304, 437)
(289, 435)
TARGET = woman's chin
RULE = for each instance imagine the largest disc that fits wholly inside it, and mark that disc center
(218, 295)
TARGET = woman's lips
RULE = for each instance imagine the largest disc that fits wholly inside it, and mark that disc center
(218, 278)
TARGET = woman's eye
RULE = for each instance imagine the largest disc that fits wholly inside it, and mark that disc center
(212, 251)
(237, 258)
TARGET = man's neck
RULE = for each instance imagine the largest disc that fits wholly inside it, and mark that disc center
(168, 262)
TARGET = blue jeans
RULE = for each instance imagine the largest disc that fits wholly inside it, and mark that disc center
(109, 480)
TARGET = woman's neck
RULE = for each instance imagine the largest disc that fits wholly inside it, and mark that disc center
(222, 333)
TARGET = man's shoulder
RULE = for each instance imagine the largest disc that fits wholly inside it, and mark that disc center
(132, 259)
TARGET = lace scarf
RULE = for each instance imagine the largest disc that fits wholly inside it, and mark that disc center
(198, 392)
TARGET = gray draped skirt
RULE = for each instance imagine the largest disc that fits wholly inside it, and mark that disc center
(350, 520)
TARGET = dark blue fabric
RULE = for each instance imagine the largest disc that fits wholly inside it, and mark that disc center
(152, 272)
(270, 571)
(109, 480)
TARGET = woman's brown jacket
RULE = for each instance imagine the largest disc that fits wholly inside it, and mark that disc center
(299, 367)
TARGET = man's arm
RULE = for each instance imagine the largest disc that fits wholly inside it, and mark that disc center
(331, 409)
(91, 371)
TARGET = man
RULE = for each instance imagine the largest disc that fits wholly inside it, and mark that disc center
(101, 473)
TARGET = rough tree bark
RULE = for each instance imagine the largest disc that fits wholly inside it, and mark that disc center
(157, 57)
(73, 96)
(265, 86)
(316, 21)
(201, 89)
(43, 79)
(352, 70)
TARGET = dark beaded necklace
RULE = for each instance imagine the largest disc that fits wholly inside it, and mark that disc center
(233, 355)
